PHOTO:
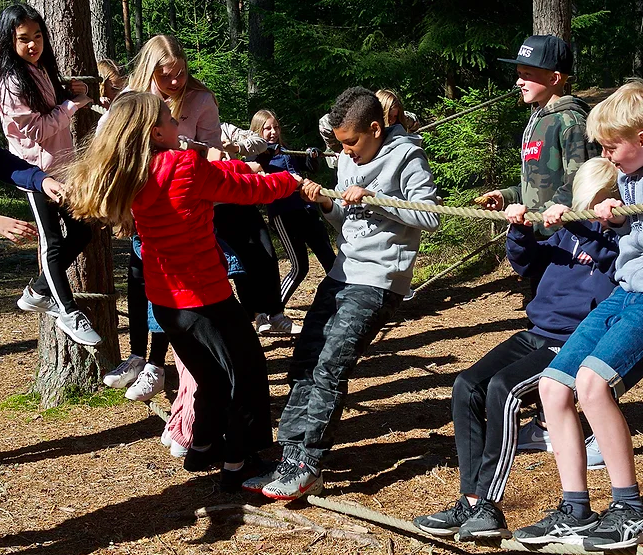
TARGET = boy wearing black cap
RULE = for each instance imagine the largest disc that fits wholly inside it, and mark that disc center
(553, 143)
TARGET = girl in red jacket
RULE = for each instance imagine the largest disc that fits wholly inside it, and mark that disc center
(131, 169)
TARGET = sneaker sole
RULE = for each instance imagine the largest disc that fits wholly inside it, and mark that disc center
(313, 490)
(144, 397)
(253, 489)
(486, 534)
(542, 540)
(632, 542)
(29, 308)
(596, 466)
(438, 531)
(116, 385)
(535, 447)
(70, 334)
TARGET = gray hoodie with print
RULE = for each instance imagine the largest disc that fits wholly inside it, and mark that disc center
(629, 264)
(378, 245)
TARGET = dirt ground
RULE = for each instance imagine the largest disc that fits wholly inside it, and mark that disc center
(97, 480)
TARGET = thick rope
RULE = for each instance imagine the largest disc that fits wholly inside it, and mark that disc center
(96, 296)
(81, 78)
(435, 124)
(399, 524)
(305, 153)
(465, 212)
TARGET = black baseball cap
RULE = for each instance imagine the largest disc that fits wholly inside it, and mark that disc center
(546, 52)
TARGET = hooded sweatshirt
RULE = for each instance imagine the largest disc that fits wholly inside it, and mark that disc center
(378, 245)
(629, 265)
(554, 146)
(22, 174)
(576, 266)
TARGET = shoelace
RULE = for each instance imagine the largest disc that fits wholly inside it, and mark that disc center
(615, 512)
(554, 515)
(145, 379)
(82, 322)
(458, 509)
(482, 508)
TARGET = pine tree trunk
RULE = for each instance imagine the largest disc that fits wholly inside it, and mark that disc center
(234, 22)
(138, 23)
(261, 47)
(171, 6)
(553, 17)
(64, 364)
(102, 29)
(127, 28)
(637, 63)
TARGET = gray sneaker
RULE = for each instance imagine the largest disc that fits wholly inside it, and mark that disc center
(595, 459)
(447, 522)
(33, 302)
(77, 326)
(125, 373)
(149, 382)
(275, 471)
(299, 481)
(559, 526)
(280, 324)
(486, 521)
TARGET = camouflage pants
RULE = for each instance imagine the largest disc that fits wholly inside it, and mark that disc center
(340, 325)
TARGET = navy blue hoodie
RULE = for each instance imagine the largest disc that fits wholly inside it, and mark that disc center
(577, 266)
(22, 174)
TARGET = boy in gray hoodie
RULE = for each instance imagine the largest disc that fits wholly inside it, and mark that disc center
(372, 273)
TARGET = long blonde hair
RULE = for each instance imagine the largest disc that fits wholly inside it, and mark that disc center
(159, 51)
(388, 99)
(596, 175)
(114, 166)
(259, 120)
(108, 70)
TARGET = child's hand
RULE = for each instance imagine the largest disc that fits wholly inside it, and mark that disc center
(105, 102)
(215, 155)
(53, 189)
(313, 152)
(78, 88)
(16, 230)
(553, 215)
(81, 100)
(255, 167)
(354, 195)
(231, 148)
(491, 201)
(310, 192)
(515, 214)
(604, 211)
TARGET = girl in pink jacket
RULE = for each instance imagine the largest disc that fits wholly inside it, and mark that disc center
(36, 112)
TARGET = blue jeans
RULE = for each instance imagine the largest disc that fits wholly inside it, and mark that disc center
(609, 342)
(341, 323)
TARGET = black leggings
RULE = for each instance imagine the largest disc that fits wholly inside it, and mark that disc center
(244, 229)
(137, 310)
(220, 348)
(298, 230)
(57, 253)
(486, 403)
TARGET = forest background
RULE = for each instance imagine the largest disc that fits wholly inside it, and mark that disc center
(438, 55)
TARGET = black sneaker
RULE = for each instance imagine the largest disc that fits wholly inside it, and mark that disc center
(447, 522)
(486, 521)
(619, 527)
(559, 526)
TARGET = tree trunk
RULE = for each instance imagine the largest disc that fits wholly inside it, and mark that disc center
(637, 63)
(102, 29)
(261, 47)
(138, 23)
(171, 7)
(234, 22)
(127, 28)
(553, 17)
(64, 364)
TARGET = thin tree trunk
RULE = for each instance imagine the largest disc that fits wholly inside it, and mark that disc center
(261, 46)
(138, 23)
(171, 6)
(127, 28)
(64, 364)
(102, 37)
(234, 22)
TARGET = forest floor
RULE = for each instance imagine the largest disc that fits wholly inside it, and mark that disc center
(97, 480)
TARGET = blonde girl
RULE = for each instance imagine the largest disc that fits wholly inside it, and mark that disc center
(394, 111)
(112, 81)
(133, 170)
(298, 223)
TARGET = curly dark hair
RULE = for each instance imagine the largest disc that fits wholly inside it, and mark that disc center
(356, 107)
(14, 71)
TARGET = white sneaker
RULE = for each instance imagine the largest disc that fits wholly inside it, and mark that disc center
(533, 436)
(282, 325)
(166, 440)
(262, 323)
(125, 373)
(77, 326)
(33, 302)
(150, 381)
(177, 450)
(595, 459)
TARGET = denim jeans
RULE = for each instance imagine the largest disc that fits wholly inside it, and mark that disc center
(608, 341)
(339, 326)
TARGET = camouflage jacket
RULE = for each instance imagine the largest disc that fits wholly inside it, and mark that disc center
(553, 148)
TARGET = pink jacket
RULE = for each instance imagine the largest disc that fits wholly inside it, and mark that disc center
(40, 139)
(199, 117)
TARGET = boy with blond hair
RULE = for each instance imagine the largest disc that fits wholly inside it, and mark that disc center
(602, 359)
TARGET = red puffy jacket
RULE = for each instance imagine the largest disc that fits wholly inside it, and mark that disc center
(183, 265)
